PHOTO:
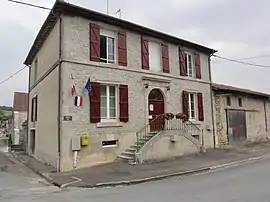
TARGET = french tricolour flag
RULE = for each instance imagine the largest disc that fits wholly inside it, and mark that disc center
(78, 101)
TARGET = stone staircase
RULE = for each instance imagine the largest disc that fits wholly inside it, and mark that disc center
(172, 122)
(16, 148)
(129, 154)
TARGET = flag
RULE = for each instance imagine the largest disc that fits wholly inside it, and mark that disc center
(78, 101)
(73, 90)
(88, 87)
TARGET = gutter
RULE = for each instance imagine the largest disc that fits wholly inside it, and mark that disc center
(28, 108)
(212, 100)
(265, 119)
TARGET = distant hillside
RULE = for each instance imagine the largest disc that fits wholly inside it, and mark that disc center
(5, 108)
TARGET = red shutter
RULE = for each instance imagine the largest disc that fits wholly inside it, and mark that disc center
(122, 48)
(198, 66)
(182, 62)
(94, 42)
(36, 107)
(145, 53)
(123, 103)
(200, 107)
(95, 103)
(185, 103)
(165, 58)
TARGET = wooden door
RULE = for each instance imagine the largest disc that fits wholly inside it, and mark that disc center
(156, 108)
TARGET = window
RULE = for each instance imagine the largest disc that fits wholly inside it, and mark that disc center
(108, 102)
(228, 100)
(192, 106)
(107, 49)
(240, 102)
(35, 67)
(34, 109)
(155, 56)
(190, 64)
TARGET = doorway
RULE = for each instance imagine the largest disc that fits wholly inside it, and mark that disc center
(32, 141)
(236, 122)
(156, 108)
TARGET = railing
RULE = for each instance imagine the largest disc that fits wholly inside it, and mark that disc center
(166, 121)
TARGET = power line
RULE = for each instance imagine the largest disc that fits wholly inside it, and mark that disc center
(246, 58)
(241, 62)
(5, 80)
(28, 4)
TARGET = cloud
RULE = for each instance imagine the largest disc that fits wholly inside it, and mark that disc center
(238, 29)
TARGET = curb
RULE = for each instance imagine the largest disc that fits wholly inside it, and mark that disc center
(48, 179)
(143, 180)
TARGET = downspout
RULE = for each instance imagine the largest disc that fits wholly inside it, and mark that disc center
(265, 119)
(212, 100)
(59, 94)
(27, 133)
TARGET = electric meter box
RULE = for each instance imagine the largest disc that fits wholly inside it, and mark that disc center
(84, 140)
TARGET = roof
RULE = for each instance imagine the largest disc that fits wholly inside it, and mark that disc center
(61, 7)
(232, 89)
(20, 102)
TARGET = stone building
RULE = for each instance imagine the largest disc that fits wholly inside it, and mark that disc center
(136, 74)
(241, 115)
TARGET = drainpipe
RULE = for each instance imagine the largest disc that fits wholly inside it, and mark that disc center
(265, 119)
(212, 100)
(27, 133)
(59, 94)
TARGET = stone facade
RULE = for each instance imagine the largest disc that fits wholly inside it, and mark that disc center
(76, 67)
(256, 115)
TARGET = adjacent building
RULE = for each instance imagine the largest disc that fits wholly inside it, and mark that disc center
(20, 108)
(135, 73)
(240, 115)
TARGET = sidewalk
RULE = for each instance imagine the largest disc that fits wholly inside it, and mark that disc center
(120, 173)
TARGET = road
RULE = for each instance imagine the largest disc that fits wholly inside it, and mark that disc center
(248, 182)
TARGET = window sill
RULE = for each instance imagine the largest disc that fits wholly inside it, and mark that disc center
(109, 124)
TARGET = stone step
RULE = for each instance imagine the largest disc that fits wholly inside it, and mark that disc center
(131, 149)
(127, 153)
(124, 157)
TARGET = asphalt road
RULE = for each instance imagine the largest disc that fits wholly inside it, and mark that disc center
(244, 183)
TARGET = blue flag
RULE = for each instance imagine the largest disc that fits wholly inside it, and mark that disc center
(88, 87)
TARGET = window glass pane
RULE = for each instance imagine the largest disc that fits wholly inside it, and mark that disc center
(112, 113)
(192, 104)
(112, 91)
(103, 91)
(103, 111)
(112, 101)
(103, 47)
(192, 114)
(103, 102)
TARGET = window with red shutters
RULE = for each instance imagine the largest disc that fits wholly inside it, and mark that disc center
(123, 103)
(185, 103)
(198, 66)
(182, 62)
(165, 59)
(94, 42)
(145, 53)
(200, 107)
(122, 48)
(95, 103)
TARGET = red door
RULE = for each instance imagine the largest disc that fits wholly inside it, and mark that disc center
(156, 108)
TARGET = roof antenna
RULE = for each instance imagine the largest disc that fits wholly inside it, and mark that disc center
(119, 11)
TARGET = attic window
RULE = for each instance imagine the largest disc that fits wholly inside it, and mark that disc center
(228, 101)
(240, 104)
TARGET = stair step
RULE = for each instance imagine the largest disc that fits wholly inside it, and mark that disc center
(128, 153)
(125, 157)
(132, 149)
(134, 146)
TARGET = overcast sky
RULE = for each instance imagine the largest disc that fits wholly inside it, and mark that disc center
(237, 29)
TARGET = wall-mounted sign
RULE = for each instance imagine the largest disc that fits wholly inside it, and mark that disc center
(67, 118)
(151, 107)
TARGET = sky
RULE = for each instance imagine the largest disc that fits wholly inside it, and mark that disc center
(237, 29)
